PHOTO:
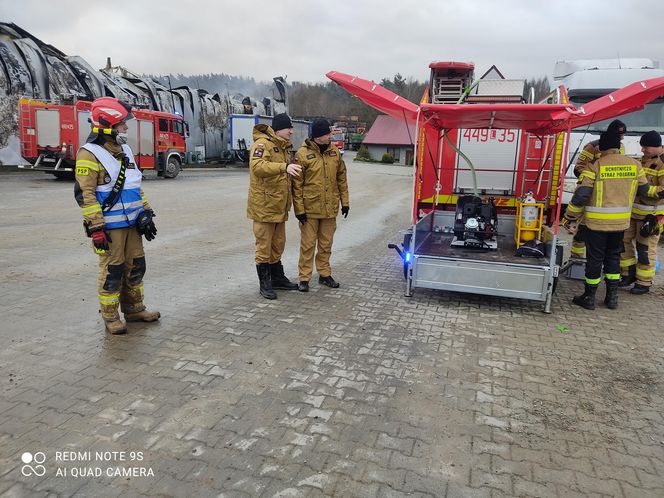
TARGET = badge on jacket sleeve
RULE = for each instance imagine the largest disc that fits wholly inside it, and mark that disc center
(258, 151)
(311, 156)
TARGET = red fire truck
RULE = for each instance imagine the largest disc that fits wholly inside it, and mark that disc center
(488, 178)
(51, 134)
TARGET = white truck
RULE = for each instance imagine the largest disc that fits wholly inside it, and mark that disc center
(241, 137)
(589, 79)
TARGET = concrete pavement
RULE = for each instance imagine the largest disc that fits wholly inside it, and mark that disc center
(357, 391)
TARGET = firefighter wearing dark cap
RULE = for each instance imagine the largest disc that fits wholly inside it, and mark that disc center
(116, 214)
(646, 223)
(604, 198)
(317, 195)
(247, 106)
(270, 169)
(588, 155)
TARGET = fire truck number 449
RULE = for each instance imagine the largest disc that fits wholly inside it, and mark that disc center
(484, 135)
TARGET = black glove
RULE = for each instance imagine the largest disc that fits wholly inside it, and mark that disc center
(145, 224)
(344, 211)
(302, 218)
(650, 226)
(661, 194)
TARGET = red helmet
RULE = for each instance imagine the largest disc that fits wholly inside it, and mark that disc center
(106, 112)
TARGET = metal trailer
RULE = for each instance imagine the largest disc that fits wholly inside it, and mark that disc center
(242, 128)
(454, 112)
(432, 263)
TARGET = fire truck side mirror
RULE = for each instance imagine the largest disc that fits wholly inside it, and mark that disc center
(186, 129)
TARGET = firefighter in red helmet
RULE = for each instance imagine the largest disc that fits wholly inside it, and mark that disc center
(116, 214)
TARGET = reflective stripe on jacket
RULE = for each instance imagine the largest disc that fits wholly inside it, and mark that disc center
(588, 155)
(130, 203)
(653, 167)
(606, 190)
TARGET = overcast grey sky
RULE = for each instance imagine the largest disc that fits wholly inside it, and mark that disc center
(370, 38)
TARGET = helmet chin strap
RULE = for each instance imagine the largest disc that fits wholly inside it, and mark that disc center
(120, 138)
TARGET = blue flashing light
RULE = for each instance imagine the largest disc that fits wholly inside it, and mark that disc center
(407, 257)
(177, 113)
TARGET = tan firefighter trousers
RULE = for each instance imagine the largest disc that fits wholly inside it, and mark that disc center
(640, 251)
(270, 241)
(316, 232)
(121, 271)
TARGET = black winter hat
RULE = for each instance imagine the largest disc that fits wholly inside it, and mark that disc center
(617, 126)
(281, 122)
(651, 139)
(609, 141)
(320, 127)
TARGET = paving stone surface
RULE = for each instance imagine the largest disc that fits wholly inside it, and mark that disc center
(350, 392)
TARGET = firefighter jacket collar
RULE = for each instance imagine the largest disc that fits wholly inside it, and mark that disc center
(610, 151)
(310, 144)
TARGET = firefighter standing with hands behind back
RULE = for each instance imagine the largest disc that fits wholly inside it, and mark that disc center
(604, 197)
(116, 214)
(317, 194)
(646, 223)
(270, 169)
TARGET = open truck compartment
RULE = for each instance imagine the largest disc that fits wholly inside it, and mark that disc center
(488, 177)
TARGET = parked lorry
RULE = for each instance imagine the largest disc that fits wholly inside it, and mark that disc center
(589, 79)
(241, 128)
(52, 132)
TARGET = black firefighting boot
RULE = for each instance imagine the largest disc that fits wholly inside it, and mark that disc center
(279, 280)
(630, 278)
(587, 299)
(611, 298)
(263, 270)
(639, 289)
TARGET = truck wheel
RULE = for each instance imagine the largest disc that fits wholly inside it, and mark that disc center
(63, 175)
(172, 167)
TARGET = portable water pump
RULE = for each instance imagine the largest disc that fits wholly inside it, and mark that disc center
(475, 223)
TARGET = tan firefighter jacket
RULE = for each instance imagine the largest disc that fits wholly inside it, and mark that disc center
(322, 187)
(588, 155)
(89, 174)
(269, 185)
(653, 167)
(606, 190)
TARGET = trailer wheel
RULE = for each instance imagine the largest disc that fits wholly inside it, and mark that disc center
(172, 167)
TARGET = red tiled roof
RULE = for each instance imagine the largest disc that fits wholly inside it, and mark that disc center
(389, 131)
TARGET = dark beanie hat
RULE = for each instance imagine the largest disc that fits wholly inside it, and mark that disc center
(320, 127)
(609, 141)
(616, 126)
(651, 139)
(281, 122)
